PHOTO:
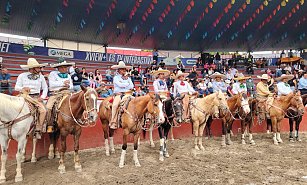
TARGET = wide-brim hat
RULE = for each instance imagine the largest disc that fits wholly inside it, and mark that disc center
(263, 77)
(242, 77)
(62, 62)
(180, 73)
(217, 75)
(32, 63)
(159, 71)
(121, 65)
(284, 76)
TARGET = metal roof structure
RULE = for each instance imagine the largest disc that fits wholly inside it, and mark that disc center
(192, 25)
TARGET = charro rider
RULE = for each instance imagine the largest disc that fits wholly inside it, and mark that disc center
(160, 86)
(60, 84)
(122, 84)
(183, 88)
(263, 93)
(30, 84)
(283, 87)
(218, 84)
(240, 85)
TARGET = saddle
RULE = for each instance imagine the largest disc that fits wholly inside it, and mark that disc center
(56, 108)
(123, 105)
(33, 110)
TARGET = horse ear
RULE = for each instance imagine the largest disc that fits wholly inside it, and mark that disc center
(83, 88)
(181, 97)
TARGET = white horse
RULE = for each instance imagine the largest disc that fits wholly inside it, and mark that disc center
(15, 123)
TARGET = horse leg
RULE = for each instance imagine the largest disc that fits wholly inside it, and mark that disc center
(124, 148)
(52, 146)
(278, 132)
(243, 126)
(21, 145)
(297, 127)
(200, 137)
(161, 136)
(223, 144)
(56, 149)
(196, 131)
(23, 158)
(111, 134)
(291, 130)
(166, 131)
(61, 167)
(33, 158)
(135, 151)
(4, 146)
(274, 129)
(228, 134)
(172, 133)
(152, 144)
(269, 125)
(106, 136)
(251, 141)
(78, 166)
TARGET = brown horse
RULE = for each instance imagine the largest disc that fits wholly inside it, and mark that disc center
(248, 121)
(201, 109)
(105, 113)
(77, 110)
(132, 119)
(278, 111)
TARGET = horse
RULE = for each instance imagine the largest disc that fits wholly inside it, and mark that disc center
(16, 122)
(201, 109)
(248, 122)
(172, 109)
(133, 116)
(105, 114)
(293, 115)
(278, 110)
(76, 111)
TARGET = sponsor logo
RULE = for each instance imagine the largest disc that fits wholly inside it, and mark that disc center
(95, 56)
(4, 47)
(129, 59)
(191, 62)
(60, 53)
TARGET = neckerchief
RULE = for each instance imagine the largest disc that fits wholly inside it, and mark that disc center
(63, 75)
(287, 85)
(161, 83)
(242, 86)
(182, 83)
(33, 76)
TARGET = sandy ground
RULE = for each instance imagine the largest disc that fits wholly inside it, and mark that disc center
(263, 163)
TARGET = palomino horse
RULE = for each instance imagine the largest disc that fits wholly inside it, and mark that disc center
(76, 108)
(201, 109)
(172, 110)
(105, 113)
(278, 110)
(15, 123)
(293, 115)
(132, 118)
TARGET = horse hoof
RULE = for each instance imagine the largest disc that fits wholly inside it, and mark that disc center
(78, 168)
(50, 157)
(121, 165)
(152, 145)
(196, 147)
(161, 158)
(223, 145)
(2, 180)
(137, 164)
(252, 142)
(291, 139)
(166, 155)
(18, 178)
(33, 160)
(280, 141)
(62, 169)
(107, 153)
(275, 142)
(243, 142)
(229, 143)
(112, 151)
(298, 139)
(202, 148)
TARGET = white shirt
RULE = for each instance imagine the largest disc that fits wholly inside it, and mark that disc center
(219, 86)
(35, 85)
(159, 88)
(236, 89)
(202, 86)
(122, 85)
(186, 88)
(283, 89)
(56, 82)
(229, 76)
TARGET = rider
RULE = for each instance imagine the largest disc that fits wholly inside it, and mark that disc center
(122, 84)
(283, 87)
(263, 92)
(218, 84)
(160, 86)
(30, 84)
(240, 85)
(60, 84)
(183, 87)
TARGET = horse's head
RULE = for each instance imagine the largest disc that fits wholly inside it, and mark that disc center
(297, 102)
(89, 104)
(155, 107)
(177, 108)
(242, 101)
(220, 104)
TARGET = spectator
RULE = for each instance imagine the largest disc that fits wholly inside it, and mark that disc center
(229, 88)
(278, 71)
(202, 87)
(139, 69)
(302, 84)
(5, 84)
(288, 68)
(193, 76)
(250, 86)
(162, 64)
(210, 71)
(76, 80)
(84, 74)
(98, 77)
(92, 81)
(154, 65)
(229, 75)
(134, 75)
(139, 92)
(233, 71)
(103, 92)
(206, 67)
(109, 75)
(210, 86)
(180, 67)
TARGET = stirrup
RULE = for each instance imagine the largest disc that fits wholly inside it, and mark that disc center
(50, 129)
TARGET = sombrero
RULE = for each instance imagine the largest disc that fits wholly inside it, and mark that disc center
(180, 73)
(263, 77)
(32, 63)
(242, 77)
(284, 76)
(121, 65)
(217, 75)
(160, 70)
(62, 62)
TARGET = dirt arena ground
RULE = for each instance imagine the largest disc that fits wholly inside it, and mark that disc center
(263, 163)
